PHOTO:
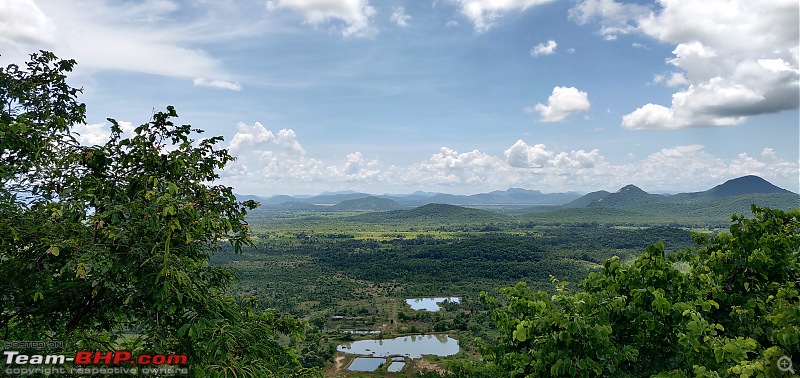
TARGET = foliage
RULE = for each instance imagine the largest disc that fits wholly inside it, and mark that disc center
(730, 307)
(107, 247)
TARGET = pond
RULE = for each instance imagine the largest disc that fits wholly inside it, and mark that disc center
(429, 304)
(366, 364)
(394, 367)
(410, 346)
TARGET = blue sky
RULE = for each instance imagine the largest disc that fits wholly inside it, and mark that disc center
(458, 96)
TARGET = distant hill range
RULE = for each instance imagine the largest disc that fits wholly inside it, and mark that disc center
(364, 201)
(632, 196)
(633, 205)
(629, 202)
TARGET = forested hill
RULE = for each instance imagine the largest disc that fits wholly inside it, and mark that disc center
(625, 197)
(367, 203)
(432, 213)
(735, 187)
(653, 209)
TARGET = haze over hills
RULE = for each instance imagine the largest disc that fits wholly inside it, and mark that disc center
(628, 204)
(627, 196)
(513, 196)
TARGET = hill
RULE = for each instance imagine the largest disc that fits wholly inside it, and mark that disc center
(511, 197)
(370, 203)
(735, 187)
(628, 196)
(632, 205)
(435, 213)
(586, 200)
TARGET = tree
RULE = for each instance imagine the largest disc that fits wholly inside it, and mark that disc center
(730, 307)
(107, 247)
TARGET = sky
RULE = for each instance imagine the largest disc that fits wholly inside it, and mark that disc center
(455, 96)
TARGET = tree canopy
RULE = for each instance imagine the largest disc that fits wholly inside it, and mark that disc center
(728, 308)
(106, 247)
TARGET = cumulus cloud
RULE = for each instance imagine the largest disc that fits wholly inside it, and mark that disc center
(561, 104)
(399, 16)
(521, 155)
(265, 155)
(679, 165)
(98, 133)
(548, 48)
(449, 166)
(356, 168)
(736, 58)
(484, 13)
(91, 134)
(248, 137)
(355, 14)
(277, 161)
(262, 154)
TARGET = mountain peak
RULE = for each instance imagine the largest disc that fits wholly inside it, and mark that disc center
(749, 184)
(630, 189)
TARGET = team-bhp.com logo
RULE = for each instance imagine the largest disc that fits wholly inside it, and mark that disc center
(96, 362)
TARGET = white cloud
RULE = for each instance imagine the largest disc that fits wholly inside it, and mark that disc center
(264, 155)
(615, 18)
(248, 137)
(98, 133)
(356, 14)
(288, 139)
(678, 166)
(22, 23)
(91, 134)
(675, 79)
(399, 16)
(561, 104)
(545, 49)
(277, 163)
(450, 167)
(220, 84)
(483, 13)
(520, 155)
(356, 168)
(736, 58)
(104, 35)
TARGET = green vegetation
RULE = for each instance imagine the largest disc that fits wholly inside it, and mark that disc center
(734, 311)
(107, 247)
(129, 245)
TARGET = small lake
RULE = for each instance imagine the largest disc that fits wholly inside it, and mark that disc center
(429, 304)
(366, 364)
(409, 346)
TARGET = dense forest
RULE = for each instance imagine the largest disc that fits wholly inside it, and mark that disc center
(130, 246)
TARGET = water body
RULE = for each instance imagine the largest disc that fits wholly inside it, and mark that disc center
(395, 367)
(366, 364)
(409, 346)
(429, 304)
